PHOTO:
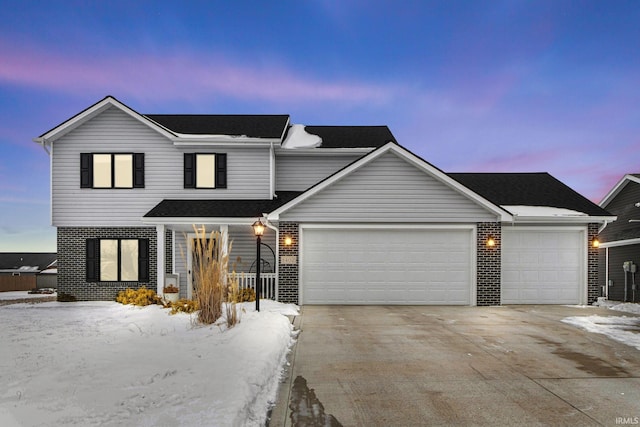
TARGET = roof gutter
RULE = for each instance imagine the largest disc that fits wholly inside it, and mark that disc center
(563, 219)
(198, 220)
(42, 141)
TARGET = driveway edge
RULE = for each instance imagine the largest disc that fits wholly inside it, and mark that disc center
(280, 415)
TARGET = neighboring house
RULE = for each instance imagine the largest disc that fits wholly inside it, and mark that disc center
(620, 241)
(353, 217)
(25, 263)
(20, 271)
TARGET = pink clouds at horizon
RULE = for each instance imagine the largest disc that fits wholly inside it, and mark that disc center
(179, 75)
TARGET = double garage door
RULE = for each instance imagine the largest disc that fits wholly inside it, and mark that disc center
(437, 266)
(386, 266)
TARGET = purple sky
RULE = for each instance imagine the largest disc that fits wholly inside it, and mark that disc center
(467, 85)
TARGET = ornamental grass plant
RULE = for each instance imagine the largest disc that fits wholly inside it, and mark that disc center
(215, 288)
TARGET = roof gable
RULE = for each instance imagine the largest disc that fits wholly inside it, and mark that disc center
(93, 111)
(410, 158)
(632, 177)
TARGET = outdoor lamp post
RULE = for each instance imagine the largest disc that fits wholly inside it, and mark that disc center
(258, 230)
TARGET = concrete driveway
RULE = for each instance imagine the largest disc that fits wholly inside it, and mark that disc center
(411, 366)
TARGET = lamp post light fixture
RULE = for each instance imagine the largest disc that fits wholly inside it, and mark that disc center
(258, 230)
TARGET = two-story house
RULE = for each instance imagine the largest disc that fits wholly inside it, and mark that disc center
(352, 216)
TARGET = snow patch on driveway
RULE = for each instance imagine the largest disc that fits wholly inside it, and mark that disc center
(625, 329)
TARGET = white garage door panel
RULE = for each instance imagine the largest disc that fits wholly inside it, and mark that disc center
(542, 266)
(348, 266)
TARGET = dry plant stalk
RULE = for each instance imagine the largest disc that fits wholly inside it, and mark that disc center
(233, 296)
(213, 284)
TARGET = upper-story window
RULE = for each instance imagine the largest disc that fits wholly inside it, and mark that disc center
(205, 170)
(112, 170)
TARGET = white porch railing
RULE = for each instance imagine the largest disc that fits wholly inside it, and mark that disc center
(267, 282)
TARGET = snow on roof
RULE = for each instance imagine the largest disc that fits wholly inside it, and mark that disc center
(542, 211)
(298, 137)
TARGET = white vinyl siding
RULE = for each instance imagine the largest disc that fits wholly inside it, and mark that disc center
(114, 131)
(543, 265)
(387, 266)
(243, 249)
(388, 189)
(299, 172)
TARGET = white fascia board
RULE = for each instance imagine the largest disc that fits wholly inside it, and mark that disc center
(93, 111)
(561, 220)
(198, 221)
(617, 188)
(285, 129)
(502, 214)
(620, 243)
(322, 151)
(222, 141)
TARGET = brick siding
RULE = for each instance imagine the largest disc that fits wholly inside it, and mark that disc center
(488, 263)
(288, 273)
(72, 262)
(168, 251)
(593, 288)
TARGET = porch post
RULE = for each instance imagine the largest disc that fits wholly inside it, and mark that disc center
(224, 232)
(160, 234)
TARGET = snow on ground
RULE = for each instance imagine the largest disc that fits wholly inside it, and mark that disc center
(107, 364)
(14, 295)
(625, 329)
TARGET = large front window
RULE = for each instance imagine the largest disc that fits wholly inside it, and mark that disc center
(117, 260)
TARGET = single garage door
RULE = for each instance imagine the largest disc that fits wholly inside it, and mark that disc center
(543, 266)
(386, 266)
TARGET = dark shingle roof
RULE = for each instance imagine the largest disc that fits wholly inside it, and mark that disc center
(352, 136)
(236, 208)
(528, 189)
(15, 260)
(254, 126)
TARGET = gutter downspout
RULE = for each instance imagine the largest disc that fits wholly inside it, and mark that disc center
(272, 172)
(274, 228)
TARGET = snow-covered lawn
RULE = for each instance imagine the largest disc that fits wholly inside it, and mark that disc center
(625, 329)
(107, 364)
(15, 295)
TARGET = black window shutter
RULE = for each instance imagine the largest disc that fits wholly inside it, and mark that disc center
(138, 170)
(189, 170)
(143, 260)
(92, 260)
(86, 170)
(221, 170)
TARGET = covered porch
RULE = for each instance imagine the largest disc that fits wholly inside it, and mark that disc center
(175, 222)
(175, 260)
